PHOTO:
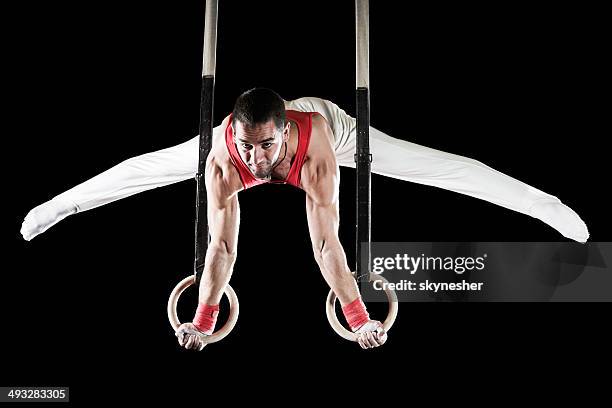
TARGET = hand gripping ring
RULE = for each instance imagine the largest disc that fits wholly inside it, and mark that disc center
(330, 309)
(223, 331)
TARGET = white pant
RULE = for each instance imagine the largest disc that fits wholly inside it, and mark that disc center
(391, 157)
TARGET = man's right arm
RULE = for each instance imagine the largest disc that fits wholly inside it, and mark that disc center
(223, 224)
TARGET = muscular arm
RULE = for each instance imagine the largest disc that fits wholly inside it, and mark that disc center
(223, 215)
(322, 208)
(223, 223)
(321, 182)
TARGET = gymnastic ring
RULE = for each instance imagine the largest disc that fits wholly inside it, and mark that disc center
(330, 309)
(223, 331)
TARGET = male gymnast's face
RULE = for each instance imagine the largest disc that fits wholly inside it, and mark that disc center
(260, 146)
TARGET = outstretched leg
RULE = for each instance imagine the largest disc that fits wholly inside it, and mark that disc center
(419, 164)
(132, 176)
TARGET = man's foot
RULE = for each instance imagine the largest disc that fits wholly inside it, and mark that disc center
(43, 217)
(562, 218)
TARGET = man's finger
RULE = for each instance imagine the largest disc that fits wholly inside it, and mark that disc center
(368, 339)
(360, 341)
(373, 340)
(180, 336)
(189, 341)
(364, 339)
(196, 343)
(382, 335)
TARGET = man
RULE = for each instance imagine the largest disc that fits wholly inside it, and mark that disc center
(302, 143)
(263, 143)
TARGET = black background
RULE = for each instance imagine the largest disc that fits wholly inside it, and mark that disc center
(516, 86)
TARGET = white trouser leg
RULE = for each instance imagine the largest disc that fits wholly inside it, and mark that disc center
(135, 175)
(411, 162)
(391, 157)
(132, 176)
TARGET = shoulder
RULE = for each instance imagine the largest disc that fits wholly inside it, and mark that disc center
(218, 141)
(320, 167)
(321, 138)
(320, 176)
(222, 178)
(319, 123)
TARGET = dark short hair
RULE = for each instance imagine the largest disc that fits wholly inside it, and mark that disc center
(257, 106)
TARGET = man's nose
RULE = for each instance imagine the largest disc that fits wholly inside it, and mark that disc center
(257, 156)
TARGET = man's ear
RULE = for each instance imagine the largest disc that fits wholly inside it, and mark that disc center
(287, 131)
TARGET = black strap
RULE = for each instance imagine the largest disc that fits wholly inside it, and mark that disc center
(363, 160)
(202, 237)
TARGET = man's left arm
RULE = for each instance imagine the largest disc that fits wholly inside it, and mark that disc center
(322, 209)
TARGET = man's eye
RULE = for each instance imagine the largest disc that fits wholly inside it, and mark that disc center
(266, 145)
(246, 146)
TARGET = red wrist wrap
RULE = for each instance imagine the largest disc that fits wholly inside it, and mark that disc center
(206, 317)
(356, 314)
